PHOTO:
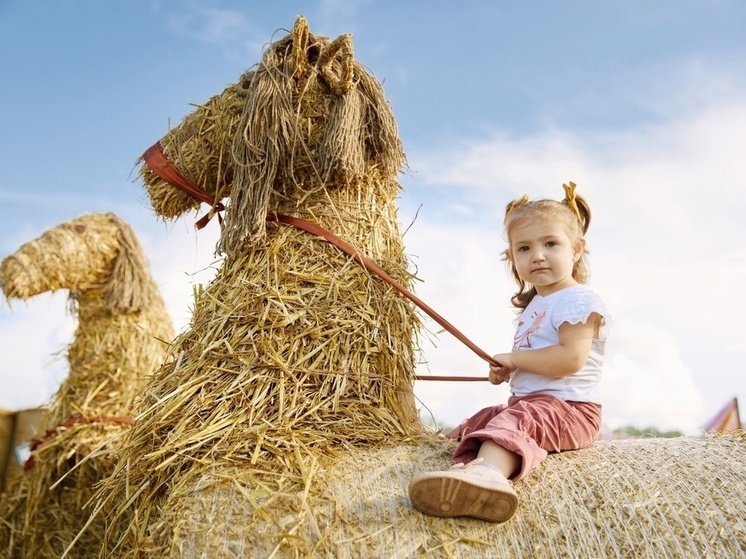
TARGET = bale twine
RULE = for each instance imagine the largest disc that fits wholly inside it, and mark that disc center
(293, 350)
(122, 336)
(647, 498)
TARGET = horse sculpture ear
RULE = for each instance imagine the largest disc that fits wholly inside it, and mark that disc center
(130, 287)
(300, 46)
(336, 64)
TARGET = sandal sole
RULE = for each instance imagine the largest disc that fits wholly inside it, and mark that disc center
(437, 494)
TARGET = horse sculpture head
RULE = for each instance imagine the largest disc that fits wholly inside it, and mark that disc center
(308, 118)
(93, 252)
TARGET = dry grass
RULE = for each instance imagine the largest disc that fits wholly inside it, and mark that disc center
(646, 498)
(122, 336)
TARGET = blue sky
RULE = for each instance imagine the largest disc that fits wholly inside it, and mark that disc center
(642, 104)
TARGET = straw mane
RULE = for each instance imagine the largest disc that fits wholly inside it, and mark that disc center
(349, 130)
(130, 288)
(122, 337)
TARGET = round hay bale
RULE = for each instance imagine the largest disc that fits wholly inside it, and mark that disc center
(646, 498)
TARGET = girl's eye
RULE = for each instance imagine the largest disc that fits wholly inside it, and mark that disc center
(522, 249)
(551, 243)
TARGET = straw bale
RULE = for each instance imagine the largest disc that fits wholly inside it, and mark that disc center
(122, 336)
(294, 350)
(646, 498)
(24, 427)
(7, 421)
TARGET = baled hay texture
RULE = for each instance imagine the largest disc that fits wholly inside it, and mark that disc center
(647, 498)
(294, 350)
(122, 337)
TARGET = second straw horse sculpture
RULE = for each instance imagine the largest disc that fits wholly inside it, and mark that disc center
(295, 351)
(122, 336)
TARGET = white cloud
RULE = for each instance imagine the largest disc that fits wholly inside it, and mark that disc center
(34, 336)
(464, 281)
(646, 383)
(228, 29)
(666, 254)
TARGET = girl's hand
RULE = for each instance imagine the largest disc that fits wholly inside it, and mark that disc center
(501, 374)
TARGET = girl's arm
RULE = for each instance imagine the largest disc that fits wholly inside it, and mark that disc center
(556, 361)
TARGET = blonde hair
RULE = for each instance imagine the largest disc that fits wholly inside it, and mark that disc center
(573, 212)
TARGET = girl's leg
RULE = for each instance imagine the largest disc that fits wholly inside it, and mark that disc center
(479, 489)
(504, 460)
(531, 427)
(511, 444)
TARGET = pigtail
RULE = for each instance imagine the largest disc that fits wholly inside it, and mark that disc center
(578, 205)
(522, 201)
(584, 213)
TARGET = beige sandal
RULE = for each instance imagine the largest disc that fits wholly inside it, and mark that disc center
(475, 490)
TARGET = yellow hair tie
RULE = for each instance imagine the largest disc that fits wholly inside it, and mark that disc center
(522, 201)
(570, 199)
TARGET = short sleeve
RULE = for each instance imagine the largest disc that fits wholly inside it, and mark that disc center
(577, 304)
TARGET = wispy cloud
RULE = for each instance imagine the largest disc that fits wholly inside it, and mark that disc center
(668, 202)
(230, 30)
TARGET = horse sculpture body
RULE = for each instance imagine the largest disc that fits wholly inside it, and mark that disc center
(122, 336)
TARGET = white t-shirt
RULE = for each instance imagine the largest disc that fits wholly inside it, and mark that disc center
(538, 327)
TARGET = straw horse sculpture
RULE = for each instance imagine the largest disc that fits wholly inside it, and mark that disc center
(295, 351)
(285, 426)
(122, 336)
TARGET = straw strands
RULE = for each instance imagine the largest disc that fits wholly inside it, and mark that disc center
(122, 337)
(294, 351)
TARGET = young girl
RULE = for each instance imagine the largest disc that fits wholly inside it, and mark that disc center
(554, 369)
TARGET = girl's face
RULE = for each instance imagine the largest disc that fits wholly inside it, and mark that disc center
(544, 255)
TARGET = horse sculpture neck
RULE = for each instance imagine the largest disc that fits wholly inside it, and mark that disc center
(109, 358)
